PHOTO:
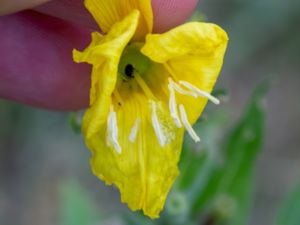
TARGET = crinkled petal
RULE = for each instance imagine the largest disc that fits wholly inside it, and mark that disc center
(144, 172)
(192, 52)
(108, 12)
(104, 54)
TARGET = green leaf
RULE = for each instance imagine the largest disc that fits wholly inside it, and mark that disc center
(76, 206)
(198, 17)
(192, 166)
(241, 152)
(137, 219)
(230, 187)
(198, 161)
(75, 122)
(289, 213)
(220, 93)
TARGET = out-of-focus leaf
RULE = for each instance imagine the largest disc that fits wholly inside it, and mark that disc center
(197, 165)
(230, 187)
(192, 164)
(241, 151)
(197, 159)
(76, 206)
(176, 209)
(75, 123)
(199, 162)
(289, 213)
(198, 17)
(203, 201)
(177, 203)
(220, 93)
(137, 219)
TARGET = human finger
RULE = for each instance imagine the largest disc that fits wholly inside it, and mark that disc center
(36, 66)
(166, 14)
(11, 6)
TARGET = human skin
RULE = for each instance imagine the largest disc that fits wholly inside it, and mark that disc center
(36, 66)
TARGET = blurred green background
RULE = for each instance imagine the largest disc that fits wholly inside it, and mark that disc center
(246, 170)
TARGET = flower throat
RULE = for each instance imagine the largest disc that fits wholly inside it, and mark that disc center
(132, 60)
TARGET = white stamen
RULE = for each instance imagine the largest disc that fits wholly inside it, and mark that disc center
(200, 92)
(187, 125)
(134, 130)
(158, 131)
(112, 130)
(173, 106)
(181, 90)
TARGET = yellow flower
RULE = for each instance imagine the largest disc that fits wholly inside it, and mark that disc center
(147, 90)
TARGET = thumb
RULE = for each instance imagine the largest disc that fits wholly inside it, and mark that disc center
(12, 6)
(166, 13)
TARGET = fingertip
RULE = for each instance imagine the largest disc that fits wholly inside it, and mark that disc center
(69, 10)
(167, 13)
(41, 73)
(12, 6)
(171, 13)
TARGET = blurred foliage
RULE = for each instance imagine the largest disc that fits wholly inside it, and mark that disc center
(75, 122)
(289, 214)
(198, 17)
(76, 206)
(220, 93)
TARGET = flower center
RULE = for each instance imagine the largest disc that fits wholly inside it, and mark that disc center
(132, 60)
(129, 71)
(134, 67)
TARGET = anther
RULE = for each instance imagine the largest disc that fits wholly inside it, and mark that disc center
(112, 130)
(187, 125)
(200, 92)
(134, 130)
(180, 90)
(158, 131)
(173, 106)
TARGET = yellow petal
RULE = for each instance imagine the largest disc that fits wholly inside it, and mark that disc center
(108, 12)
(104, 53)
(86, 56)
(192, 52)
(144, 172)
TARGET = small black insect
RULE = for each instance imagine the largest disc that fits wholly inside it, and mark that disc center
(129, 70)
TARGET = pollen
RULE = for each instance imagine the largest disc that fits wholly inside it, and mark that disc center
(157, 126)
(134, 130)
(187, 125)
(112, 131)
(173, 106)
